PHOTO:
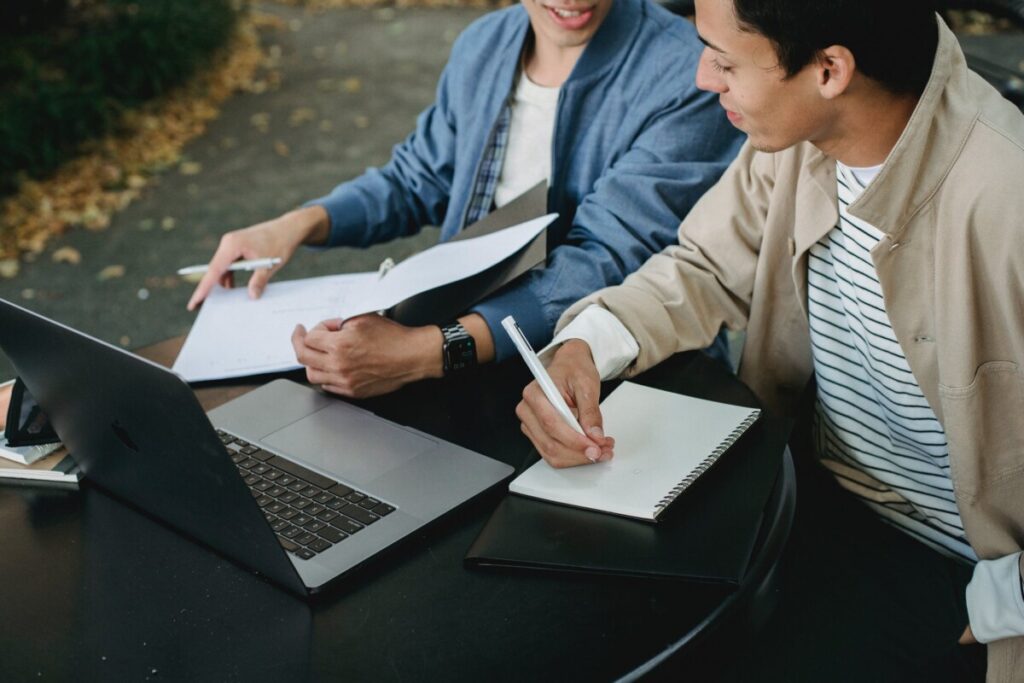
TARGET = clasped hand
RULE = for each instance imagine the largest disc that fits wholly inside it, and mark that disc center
(367, 355)
(575, 375)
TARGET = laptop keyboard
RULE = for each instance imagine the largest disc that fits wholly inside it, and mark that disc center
(308, 511)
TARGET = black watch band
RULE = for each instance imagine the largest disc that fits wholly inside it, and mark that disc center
(458, 351)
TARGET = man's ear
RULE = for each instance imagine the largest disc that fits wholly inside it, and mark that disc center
(835, 67)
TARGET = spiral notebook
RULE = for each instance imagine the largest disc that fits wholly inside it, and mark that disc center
(663, 442)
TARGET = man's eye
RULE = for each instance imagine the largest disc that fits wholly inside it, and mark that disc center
(718, 66)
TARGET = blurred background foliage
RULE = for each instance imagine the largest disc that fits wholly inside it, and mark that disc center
(70, 68)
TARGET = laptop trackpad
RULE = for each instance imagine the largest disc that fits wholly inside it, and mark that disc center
(353, 445)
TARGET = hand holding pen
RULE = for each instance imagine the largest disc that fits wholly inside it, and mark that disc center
(262, 249)
(559, 411)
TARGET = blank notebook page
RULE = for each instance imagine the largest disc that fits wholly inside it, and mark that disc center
(663, 441)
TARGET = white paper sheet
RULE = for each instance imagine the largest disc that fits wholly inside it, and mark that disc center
(235, 336)
(448, 262)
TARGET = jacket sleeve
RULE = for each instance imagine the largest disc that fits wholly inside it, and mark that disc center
(632, 212)
(683, 295)
(408, 192)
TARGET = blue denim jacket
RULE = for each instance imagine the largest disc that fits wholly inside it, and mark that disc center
(635, 144)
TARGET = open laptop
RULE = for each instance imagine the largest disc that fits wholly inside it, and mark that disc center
(297, 486)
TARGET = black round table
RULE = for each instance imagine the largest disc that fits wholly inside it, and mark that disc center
(91, 589)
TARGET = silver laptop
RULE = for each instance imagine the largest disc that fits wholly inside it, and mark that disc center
(295, 485)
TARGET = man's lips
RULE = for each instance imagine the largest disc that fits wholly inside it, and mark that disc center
(571, 19)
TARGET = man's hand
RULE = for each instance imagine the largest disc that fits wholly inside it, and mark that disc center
(967, 637)
(367, 355)
(574, 373)
(277, 238)
(5, 401)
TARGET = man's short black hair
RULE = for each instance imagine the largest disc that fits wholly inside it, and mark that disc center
(893, 41)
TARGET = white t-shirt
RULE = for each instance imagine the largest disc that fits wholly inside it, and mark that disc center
(528, 155)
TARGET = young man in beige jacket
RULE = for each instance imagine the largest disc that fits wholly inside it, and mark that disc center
(869, 236)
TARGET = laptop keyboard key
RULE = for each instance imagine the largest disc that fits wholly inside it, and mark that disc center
(288, 513)
(275, 507)
(301, 472)
(313, 526)
(260, 469)
(383, 509)
(252, 479)
(301, 519)
(237, 458)
(272, 474)
(285, 479)
(323, 497)
(340, 490)
(264, 501)
(305, 554)
(261, 455)
(345, 524)
(301, 503)
(332, 534)
(275, 491)
(319, 545)
(297, 485)
(309, 491)
(304, 539)
(288, 497)
(279, 525)
(314, 510)
(368, 503)
(327, 515)
(291, 532)
(354, 497)
(359, 514)
(336, 503)
(287, 544)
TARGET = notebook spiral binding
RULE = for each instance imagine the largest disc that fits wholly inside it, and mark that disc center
(706, 464)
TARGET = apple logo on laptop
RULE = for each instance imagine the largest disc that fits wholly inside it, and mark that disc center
(122, 434)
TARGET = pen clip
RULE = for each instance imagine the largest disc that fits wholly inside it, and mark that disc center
(385, 267)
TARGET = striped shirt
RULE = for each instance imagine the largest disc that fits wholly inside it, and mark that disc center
(874, 428)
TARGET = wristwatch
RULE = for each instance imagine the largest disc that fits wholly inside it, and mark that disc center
(459, 349)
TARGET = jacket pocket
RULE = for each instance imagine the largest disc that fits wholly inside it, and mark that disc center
(984, 423)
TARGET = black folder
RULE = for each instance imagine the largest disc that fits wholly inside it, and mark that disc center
(441, 304)
(707, 534)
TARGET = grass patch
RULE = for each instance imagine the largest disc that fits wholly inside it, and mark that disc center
(69, 69)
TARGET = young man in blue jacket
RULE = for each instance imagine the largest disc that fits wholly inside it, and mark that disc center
(595, 96)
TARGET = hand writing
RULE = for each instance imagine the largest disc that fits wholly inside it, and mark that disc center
(575, 375)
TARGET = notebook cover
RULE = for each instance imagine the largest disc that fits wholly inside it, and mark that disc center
(706, 535)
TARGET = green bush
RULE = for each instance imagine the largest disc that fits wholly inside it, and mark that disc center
(68, 68)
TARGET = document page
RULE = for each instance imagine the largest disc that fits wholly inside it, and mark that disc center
(448, 262)
(235, 336)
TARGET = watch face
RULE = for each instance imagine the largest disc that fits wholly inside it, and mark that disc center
(460, 353)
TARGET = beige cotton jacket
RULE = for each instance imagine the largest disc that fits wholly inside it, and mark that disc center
(950, 202)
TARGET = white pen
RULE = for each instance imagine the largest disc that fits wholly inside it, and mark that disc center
(252, 264)
(539, 373)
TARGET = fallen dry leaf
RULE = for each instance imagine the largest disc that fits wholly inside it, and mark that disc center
(281, 149)
(168, 223)
(300, 116)
(352, 84)
(9, 268)
(67, 255)
(110, 273)
(190, 168)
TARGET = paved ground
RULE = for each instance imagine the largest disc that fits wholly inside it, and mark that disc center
(353, 83)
